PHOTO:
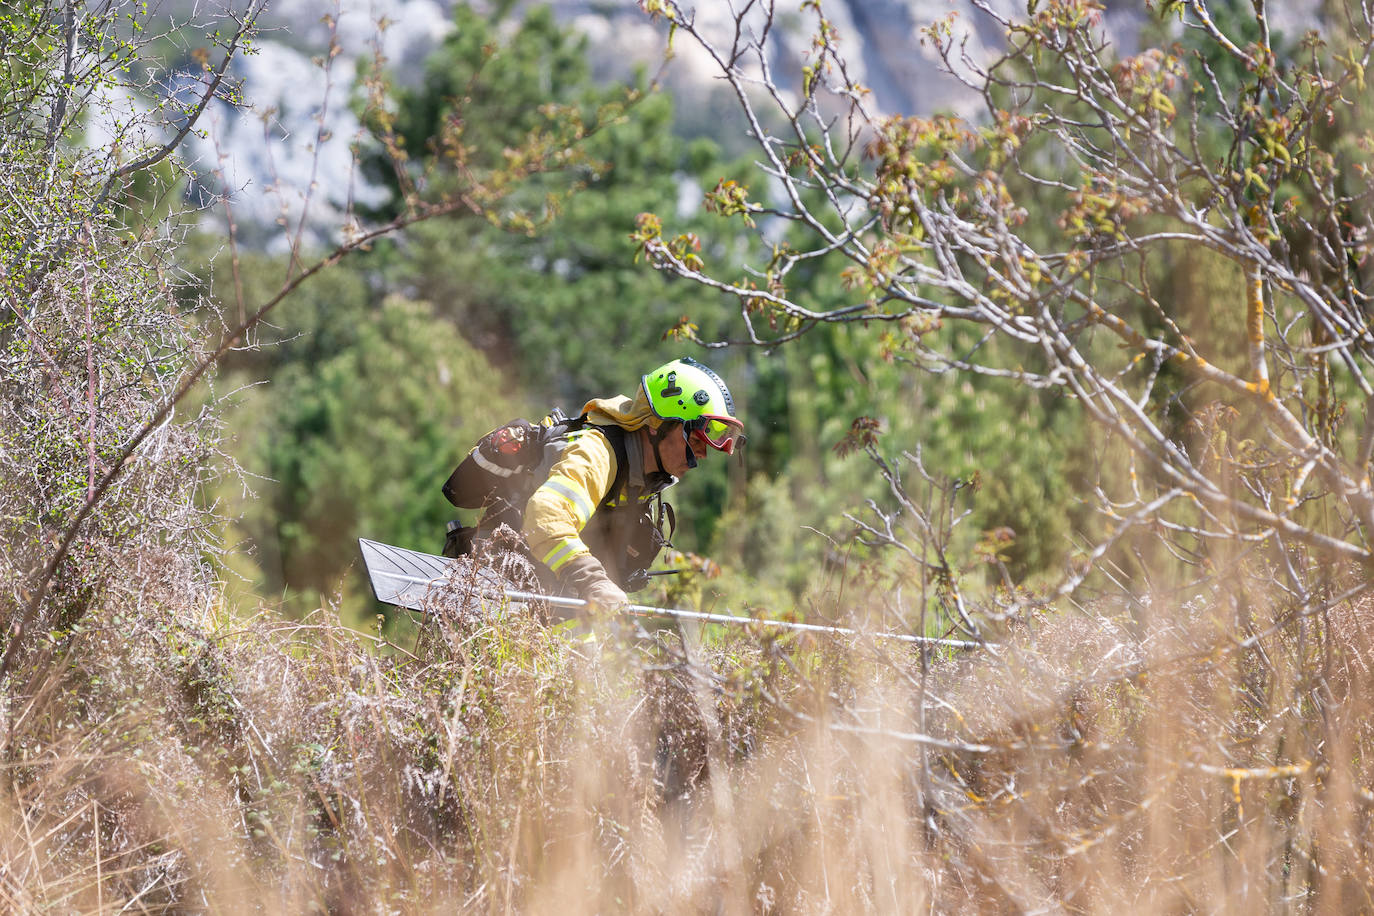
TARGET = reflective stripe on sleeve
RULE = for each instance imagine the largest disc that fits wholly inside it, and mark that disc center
(563, 551)
(581, 505)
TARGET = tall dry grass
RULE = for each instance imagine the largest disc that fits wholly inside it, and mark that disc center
(175, 760)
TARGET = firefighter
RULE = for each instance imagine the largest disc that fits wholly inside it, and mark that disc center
(591, 524)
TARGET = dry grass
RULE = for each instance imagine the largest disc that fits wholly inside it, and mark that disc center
(183, 762)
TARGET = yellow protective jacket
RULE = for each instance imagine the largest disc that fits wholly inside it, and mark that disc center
(560, 511)
(565, 502)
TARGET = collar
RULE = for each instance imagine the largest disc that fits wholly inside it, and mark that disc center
(635, 479)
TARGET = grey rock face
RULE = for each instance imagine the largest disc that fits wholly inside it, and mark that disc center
(273, 148)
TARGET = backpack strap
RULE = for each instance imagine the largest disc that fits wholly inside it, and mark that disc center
(616, 436)
(655, 510)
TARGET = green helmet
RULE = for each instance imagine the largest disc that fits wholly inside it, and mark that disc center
(686, 390)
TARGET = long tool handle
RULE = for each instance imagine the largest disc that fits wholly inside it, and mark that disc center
(644, 610)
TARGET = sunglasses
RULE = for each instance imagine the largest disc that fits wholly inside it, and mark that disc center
(720, 434)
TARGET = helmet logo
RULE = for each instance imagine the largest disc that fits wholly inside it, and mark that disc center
(701, 397)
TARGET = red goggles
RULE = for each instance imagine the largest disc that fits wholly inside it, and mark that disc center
(720, 433)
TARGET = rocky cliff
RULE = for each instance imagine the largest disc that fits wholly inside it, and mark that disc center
(881, 39)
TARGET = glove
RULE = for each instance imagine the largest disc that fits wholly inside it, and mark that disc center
(585, 576)
(605, 597)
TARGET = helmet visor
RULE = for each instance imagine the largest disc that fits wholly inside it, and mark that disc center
(722, 434)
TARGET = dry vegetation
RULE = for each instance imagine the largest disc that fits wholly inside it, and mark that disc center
(173, 759)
